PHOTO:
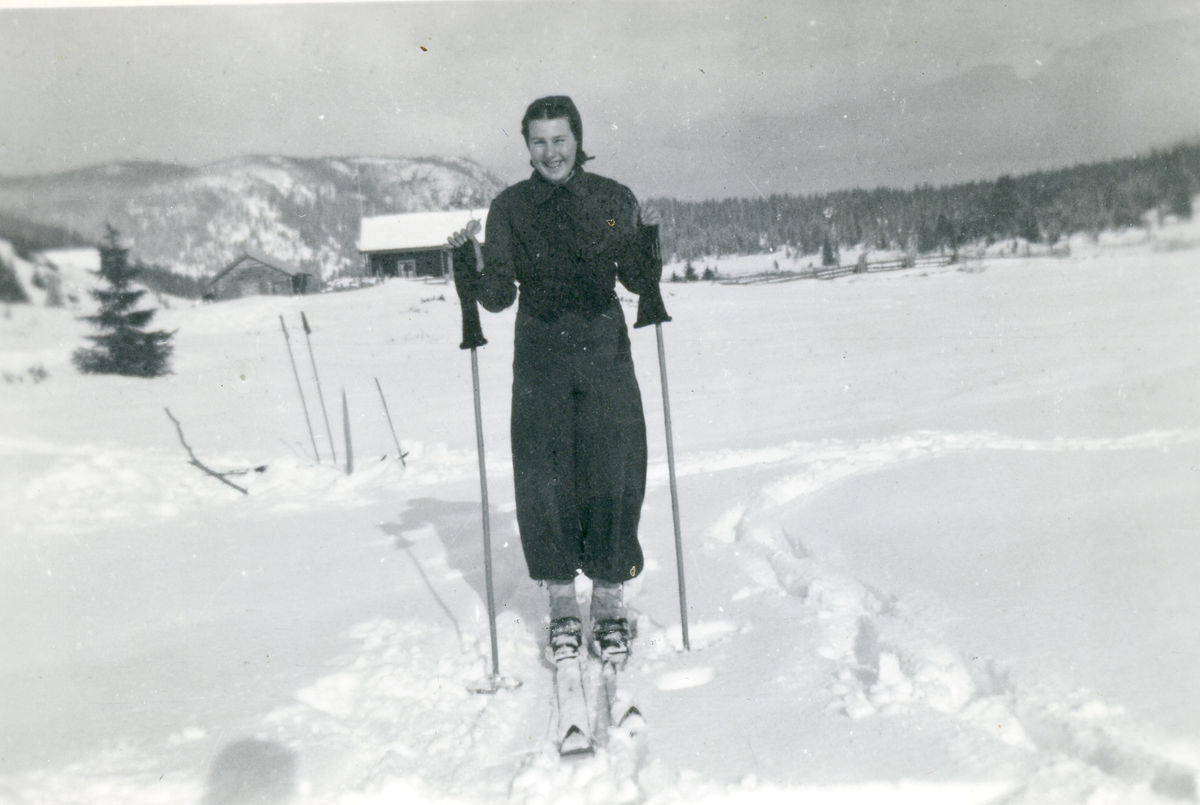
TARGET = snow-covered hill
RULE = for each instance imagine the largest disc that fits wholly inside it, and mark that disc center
(940, 534)
(196, 220)
(57, 278)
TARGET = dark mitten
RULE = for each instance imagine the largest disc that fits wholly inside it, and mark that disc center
(466, 274)
(466, 283)
(651, 309)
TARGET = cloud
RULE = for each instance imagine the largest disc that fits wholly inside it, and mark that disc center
(688, 99)
(1117, 95)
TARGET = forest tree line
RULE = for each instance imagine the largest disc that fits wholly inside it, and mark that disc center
(1040, 207)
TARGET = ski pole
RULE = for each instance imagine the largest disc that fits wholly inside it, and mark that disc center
(487, 530)
(662, 368)
(651, 310)
(472, 339)
(320, 394)
(391, 427)
(303, 403)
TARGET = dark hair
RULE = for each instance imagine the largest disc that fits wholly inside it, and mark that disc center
(555, 107)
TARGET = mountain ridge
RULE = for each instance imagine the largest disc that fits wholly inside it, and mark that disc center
(195, 220)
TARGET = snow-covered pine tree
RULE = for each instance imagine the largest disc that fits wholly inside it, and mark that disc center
(123, 346)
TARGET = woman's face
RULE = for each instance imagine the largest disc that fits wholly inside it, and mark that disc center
(552, 149)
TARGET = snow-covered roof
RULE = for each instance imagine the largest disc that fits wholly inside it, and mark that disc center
(415, 230)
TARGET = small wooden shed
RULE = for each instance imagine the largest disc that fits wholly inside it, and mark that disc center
(257, 274)
(413, 244)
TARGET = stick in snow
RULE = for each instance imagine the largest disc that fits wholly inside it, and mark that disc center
(346, 426)
(195, 462)
(388, 414)
(303, 402)
(320, 394)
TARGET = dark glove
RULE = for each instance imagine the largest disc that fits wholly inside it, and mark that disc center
(651, 309)
(466, 283)
(466, 275)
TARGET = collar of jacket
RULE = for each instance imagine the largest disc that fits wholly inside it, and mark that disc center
(541, 190)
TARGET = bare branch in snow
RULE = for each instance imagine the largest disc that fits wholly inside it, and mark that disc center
(195, 462)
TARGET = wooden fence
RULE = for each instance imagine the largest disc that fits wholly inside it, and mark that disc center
(833, 272)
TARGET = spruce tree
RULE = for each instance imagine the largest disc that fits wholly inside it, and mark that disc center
(123, 346)
(828, 258)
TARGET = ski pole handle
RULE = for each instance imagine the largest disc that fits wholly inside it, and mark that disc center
(467, 265)
(472, 330)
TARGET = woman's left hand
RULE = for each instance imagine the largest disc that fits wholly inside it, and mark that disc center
(651, 216)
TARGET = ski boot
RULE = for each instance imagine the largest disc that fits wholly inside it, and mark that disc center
(612, 637)
(566, 636)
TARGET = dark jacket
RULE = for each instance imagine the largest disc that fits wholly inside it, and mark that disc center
(565, 246)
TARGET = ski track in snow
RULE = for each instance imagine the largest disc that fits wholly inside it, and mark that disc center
(829, 461)
(891, 659)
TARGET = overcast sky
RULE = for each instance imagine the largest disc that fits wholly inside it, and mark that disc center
(684, 99)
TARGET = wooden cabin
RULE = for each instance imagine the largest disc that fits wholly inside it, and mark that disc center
(257, 274)
(412, 244)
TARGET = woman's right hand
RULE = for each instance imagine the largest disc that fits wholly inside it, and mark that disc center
(467, 233)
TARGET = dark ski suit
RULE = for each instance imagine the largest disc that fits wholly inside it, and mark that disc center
(578, 432)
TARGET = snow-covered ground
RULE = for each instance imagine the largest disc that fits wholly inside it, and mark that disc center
(941, 533)
(1156, 233)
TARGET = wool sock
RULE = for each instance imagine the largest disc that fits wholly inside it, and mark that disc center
(562, 599)
(606, 601)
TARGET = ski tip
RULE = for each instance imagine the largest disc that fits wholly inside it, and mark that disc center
(633, 720)
(575, 743)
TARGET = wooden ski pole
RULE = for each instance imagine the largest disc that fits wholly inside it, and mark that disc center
(392, 428)
(300, 388)
(472, 339)
(651, 310)
(662, 368)
(320, 394)
(487, 529)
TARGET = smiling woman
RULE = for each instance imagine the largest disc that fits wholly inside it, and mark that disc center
(563, 237)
